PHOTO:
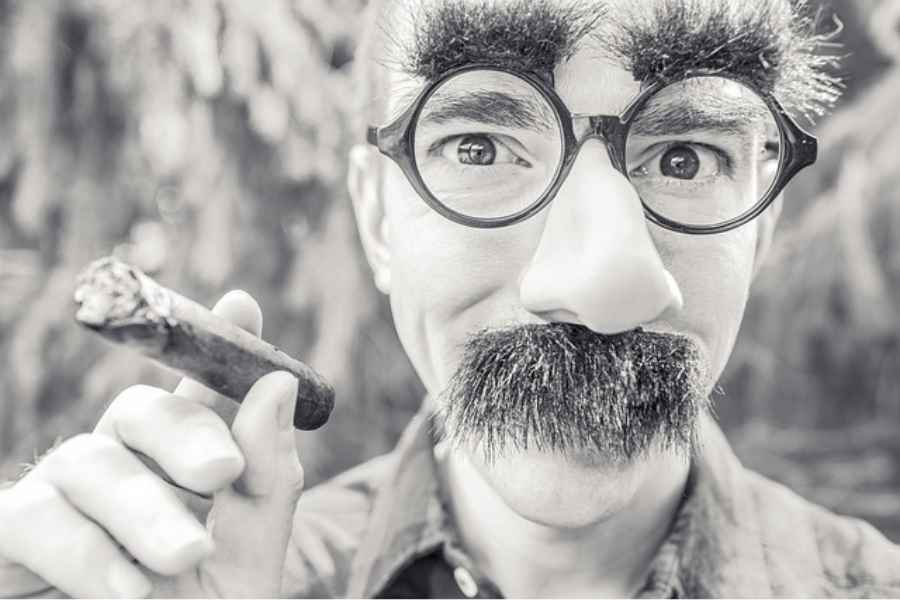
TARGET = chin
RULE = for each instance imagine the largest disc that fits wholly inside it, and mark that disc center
(568, 491)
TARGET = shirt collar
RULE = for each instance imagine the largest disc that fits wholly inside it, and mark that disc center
(720, 545)
(408, 519)
(714, 548)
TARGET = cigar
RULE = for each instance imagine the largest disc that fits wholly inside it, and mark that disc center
(125, 306)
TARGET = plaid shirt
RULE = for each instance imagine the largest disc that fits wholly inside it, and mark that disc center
(383, 529)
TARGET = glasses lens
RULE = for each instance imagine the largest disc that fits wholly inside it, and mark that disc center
(703, 151)
(487, 144)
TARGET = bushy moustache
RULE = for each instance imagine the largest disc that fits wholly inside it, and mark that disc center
(561, 387)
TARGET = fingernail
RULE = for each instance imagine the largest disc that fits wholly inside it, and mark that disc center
(287, 402)
(127, 582)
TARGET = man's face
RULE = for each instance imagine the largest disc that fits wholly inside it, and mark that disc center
(590, 258)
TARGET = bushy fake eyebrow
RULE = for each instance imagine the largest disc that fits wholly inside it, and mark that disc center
(668, 39)
(489, 108)
(527, 35)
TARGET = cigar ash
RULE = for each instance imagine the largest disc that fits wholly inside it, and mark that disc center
(123, 304)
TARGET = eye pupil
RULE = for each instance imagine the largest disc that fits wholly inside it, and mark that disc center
(476, 150)
(680, 162)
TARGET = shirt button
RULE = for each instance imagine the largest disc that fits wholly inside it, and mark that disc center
(465, 582)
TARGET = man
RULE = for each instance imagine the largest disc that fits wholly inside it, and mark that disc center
(567, 203)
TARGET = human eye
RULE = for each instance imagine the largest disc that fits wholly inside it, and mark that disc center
(682, 162)
(480, 150)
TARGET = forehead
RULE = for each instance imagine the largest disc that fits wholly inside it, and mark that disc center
(614, 43)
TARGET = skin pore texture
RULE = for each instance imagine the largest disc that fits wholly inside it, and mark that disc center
(580, 518)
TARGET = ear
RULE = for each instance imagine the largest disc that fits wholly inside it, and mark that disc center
(364, 184)
(766, 231)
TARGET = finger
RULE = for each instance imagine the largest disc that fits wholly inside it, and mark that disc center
(191, 443)
(41, 531)
(105, 481)
(239, 308)
(252, 518)
(16, 581)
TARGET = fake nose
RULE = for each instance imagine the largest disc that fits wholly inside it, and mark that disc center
(595, 263)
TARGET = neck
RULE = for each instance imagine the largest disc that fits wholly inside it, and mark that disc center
(543, 525)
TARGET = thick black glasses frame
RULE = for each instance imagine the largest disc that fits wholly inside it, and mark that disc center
(396, 140)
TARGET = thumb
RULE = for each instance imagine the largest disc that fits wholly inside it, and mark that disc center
(264, 431)
(251, 520)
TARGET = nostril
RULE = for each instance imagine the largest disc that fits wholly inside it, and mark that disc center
(615, 294)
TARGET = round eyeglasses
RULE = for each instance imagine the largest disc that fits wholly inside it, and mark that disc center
(490, 147)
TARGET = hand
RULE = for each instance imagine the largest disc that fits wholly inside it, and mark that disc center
(73, 523)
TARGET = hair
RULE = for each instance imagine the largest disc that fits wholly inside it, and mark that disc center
(775, 43)
(563, 388)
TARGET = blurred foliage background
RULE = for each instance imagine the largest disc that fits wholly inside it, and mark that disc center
(204, 140)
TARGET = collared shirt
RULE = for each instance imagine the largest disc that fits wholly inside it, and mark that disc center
(382, 529)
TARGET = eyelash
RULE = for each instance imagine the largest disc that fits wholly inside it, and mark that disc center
(436, 147)
(726, 163)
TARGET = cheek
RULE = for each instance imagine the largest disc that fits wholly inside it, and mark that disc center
(447, 280)
(714, 274)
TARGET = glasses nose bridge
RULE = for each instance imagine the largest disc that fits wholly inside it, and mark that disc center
(607, 129)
